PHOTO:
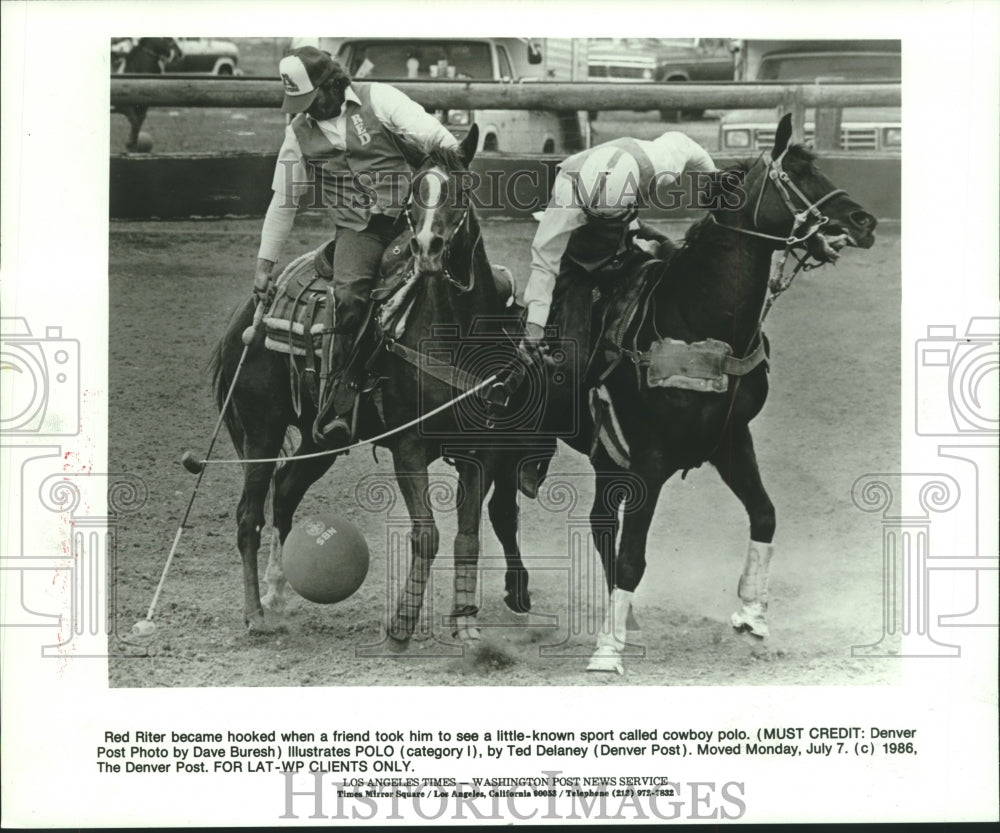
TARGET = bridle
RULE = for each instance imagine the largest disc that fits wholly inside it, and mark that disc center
(806, 222)
(463, 222)
(809, 217)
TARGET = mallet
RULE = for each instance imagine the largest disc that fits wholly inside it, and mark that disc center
(146, 627)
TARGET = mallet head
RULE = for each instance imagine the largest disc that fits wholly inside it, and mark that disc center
(192, 463)
(143, 628)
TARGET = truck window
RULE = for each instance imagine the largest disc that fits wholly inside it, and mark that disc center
(414, 59)
(849, 66)
(505, 70)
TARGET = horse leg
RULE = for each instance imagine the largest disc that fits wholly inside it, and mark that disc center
(604, 523)
(640, 504)
(736, 462)
(136, 115)
(410, 463)
(250, 522)
(470, 510)
(292, 481)
(503, 511)
(612, 484)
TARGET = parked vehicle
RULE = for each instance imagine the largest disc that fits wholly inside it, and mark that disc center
(817, 62)
(691, 59)
(503, 60)
(661, 60)
(202, 55)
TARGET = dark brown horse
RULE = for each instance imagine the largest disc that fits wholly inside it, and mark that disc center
(449, 294)
(678, 406)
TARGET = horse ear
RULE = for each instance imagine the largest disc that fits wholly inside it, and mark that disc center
(781, 137)
(469, 144)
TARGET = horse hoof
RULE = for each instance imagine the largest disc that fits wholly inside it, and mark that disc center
(753, 626)
(607, 660)
(263, 624)
(395, 644)
(467, 635)
(517, 602)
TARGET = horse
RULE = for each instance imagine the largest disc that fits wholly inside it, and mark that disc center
(146, 58)
(451, 284)
(689, 373)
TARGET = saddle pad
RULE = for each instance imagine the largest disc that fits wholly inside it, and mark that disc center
(294, 324)
(699, 366)
(607, 430)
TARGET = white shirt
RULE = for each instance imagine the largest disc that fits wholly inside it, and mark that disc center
(398, 112)
(670, 155)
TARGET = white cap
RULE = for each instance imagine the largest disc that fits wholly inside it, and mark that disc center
(302, 73)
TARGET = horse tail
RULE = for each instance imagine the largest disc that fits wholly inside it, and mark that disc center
(221, 382)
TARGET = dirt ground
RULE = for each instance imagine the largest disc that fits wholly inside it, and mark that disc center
(832, 416)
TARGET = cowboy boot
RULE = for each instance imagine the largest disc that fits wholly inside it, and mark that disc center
(336, 347)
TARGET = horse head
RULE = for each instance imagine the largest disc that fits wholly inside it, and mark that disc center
(439, 208)
(790, 200)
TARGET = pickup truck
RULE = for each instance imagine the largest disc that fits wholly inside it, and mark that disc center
(661, 60)
(876, 129)
(503, 60)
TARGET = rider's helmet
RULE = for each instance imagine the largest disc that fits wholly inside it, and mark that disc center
(608, 185)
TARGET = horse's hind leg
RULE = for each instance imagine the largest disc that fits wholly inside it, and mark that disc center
(503, 511)
(250, 522)
(292, 481)
(737, 464)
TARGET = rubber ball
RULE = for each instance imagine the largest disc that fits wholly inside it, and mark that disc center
(325, 558)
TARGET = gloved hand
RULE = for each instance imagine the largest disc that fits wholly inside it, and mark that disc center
(262, 281)
(531, 342)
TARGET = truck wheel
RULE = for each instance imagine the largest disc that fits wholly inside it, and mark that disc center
(490, 142)
(592, 115)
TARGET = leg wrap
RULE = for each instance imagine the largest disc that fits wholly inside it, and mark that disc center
(410, 602)
(463, 615)
(466, 576)
(753, 590)
(754, 581)
(274, 578)
(611, 640)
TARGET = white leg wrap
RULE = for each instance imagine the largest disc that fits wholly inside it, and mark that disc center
(611, 640)
(753, 590)
(274, 577)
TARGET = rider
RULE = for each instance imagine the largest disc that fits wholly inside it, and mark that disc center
(361, 139)
(589, 223)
